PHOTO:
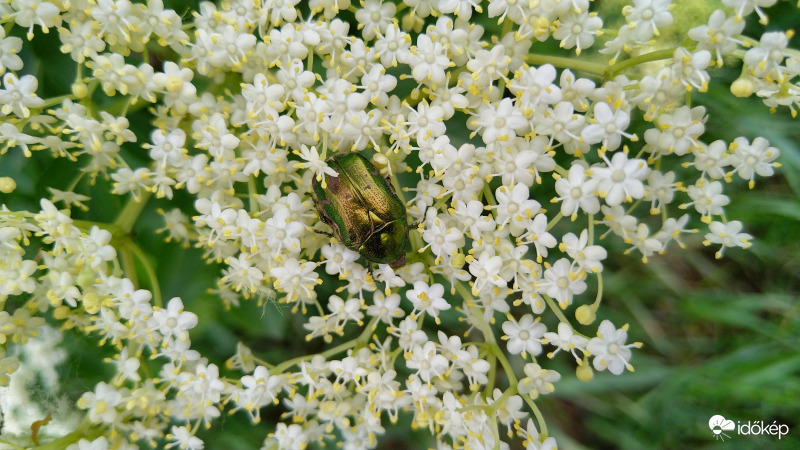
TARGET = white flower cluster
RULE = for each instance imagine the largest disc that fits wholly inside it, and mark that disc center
(248, 107)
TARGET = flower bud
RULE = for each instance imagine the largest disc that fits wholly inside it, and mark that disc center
(742, 87)
(79, 89)
(458, 260)
(585, 315)
(91, 302)
(7, 185)
(584, 372)
(412, 22)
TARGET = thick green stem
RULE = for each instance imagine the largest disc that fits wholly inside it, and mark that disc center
(361, 339)
(495, 350)
(131, 212)
(567, 63)
(86, 430)
(599, 297)
(57, 100)
(635, 61)
(598, 69)
(492, 359)
(11, 444)
(117, 233)
(252, 194)
(128, 264)
(556, 310)
(148, 269)
(554, 221)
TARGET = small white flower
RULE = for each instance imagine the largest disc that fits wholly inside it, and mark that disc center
(486, 269)
(443, 241)
(127, 367)
(621, 179)
(314, 162)
(258, 390)
(532, 440)
(289, 436)
(343, 311)
(338, 259)
(563, 282)
(428, 299)
(408, 333)
(19, 95)
(575, 90)
(728, 235)
(577, 30)
(392, 46)
(645, 17)
(374, 17)
(515, 208)
(283, 233)
(173, 321)
(690, 68)
(577, 191)
(100, 443)
(711, 160)
(16, 277)
(182, 438)
(766, 58)
(565, 339)
(661, 189)
(385, 307)
(608, 127)
(28, 13)
(427, 362)
(469, 217)
(296, 280)
(524, 336)
(749, 160)
(681, 129)
(497, 122)
(426, 123)
(641, 240)
(508, 9)
(489, 65)
(672, 230)
(707, 198)
(537, 234)
(96, 247)
(534, 86)
(609, 348)
(461, 8)
(101, 403)
(428, 61)
(9, 47)
(745, 7)
(537, 381)
(561, 124)
(241, 274)
(386, 274)
(346, 370)
(719, 36)
(588, 257)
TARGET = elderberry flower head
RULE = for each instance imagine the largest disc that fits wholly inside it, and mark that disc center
(493, 183)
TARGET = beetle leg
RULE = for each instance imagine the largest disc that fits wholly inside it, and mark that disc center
(324, 233)
(371, 268)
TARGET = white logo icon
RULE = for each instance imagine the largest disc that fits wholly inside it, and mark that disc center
(719, 425)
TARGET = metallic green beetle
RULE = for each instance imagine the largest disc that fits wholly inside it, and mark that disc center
(363, 209)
